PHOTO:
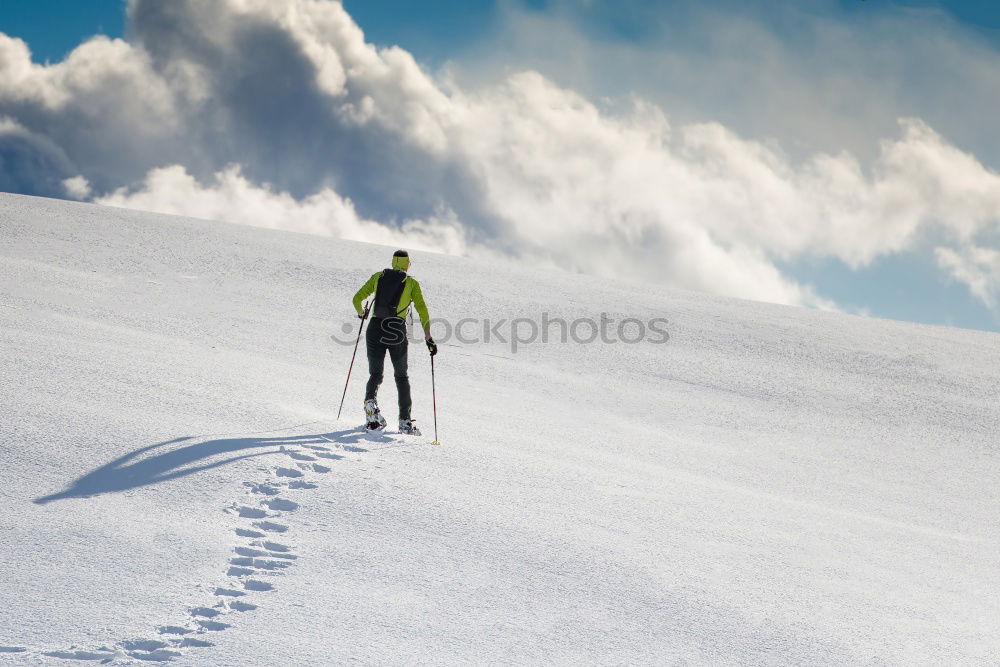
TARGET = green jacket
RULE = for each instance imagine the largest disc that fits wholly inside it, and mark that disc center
(411, 293)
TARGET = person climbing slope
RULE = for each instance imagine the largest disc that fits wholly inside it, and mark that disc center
(394, 291)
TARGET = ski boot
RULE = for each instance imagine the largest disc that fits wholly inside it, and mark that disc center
(374, 421)
(407, 427)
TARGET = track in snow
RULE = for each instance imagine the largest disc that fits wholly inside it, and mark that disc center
(258, 560)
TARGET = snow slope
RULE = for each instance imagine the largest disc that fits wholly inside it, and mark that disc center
(772, 486)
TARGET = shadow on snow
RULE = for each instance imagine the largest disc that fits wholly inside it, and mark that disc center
(166, 460)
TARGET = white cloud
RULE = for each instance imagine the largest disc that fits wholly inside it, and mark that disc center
(230, 197)
(77, 187)
(814, 75)
(30, 162)
(977, 268)
(277, 113)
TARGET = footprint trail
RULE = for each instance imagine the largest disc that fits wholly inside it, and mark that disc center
(252, 573)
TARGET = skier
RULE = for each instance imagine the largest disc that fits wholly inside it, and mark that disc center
(394, 291)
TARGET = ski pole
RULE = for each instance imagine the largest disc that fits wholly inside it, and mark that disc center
(351, 367)
(434, 395)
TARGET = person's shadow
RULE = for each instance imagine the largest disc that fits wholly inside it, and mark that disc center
(170, 461)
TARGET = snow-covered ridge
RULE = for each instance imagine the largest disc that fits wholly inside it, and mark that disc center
(772, 485)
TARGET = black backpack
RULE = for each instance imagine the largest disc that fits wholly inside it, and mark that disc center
(387, 294)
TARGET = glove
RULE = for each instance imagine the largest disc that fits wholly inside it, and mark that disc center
(361, 316)
(432, 346)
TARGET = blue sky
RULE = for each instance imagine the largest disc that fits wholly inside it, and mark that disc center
(54, 27)
(902, 286)
(432, 30)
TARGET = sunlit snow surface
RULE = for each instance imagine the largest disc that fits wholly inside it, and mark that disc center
(771, 486)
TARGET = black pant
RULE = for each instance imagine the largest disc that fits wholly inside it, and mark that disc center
(388, 334)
